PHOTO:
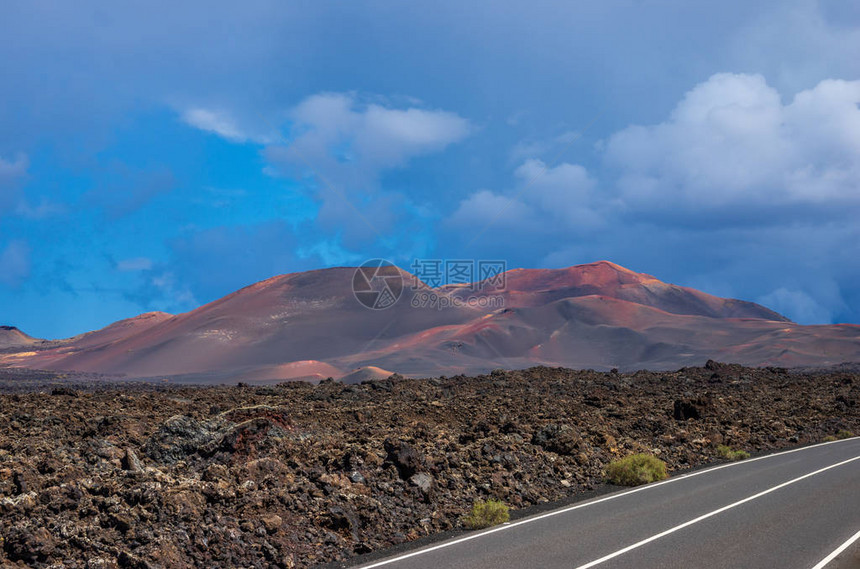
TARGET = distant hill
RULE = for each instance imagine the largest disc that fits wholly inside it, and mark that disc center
(11, 337)
(311, 325)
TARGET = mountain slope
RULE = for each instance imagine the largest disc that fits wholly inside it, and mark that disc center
(310, 325)
(288, 318)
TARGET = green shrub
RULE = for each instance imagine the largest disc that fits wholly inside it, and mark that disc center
(636, 469)
(844, 434)
(487, 514)
(727, 452)
(830, 439)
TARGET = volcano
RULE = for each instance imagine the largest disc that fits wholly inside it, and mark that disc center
(315, 324)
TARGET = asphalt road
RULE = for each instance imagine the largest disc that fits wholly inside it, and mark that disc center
(788, 510)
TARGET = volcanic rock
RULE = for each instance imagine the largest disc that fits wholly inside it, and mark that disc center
(153, 475)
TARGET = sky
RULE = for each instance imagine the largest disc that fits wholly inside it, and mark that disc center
(159, 155)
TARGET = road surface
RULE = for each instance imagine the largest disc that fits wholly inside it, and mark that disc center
(795, 509)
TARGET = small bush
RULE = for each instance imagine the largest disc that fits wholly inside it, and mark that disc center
(844, 434)
(830, 439)
(727, 452)
(487, 514)
(636, 469)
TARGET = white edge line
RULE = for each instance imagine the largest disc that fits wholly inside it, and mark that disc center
(703, 517)
(591, 503)
(839, 550)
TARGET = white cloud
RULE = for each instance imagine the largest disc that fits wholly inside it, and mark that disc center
(545, 199)
(797, 305)
(14, 263)
(565, 192)
(223, 124)
(415, 131)
(345, 146)
(731, 141)
(489, 207)
(333, 133)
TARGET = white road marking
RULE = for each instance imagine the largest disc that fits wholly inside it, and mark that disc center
(839, 550)
(593, 502)
(711, 514)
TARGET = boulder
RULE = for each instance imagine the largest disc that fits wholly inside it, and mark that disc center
(404, 456)
(560, 439)
(684, 409)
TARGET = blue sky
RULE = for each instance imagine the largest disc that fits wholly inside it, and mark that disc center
(157, 157)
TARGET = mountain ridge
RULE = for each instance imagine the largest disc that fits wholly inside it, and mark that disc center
(598, 315)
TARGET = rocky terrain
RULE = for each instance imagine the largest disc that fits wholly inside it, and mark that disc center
(296, 475)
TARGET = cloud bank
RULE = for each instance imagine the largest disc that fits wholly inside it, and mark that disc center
(327, 133)
(732, 142)
(763, 188)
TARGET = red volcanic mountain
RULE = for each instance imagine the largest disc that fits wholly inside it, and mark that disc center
(538, 287)
(313, 325)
